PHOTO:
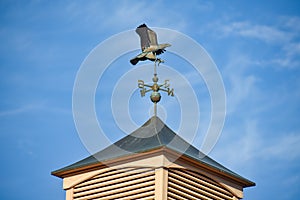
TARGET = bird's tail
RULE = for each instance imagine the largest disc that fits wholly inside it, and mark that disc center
(134, 61)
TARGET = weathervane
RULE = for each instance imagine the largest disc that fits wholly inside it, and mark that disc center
(150, 49)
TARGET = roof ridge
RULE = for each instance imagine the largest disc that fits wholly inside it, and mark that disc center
(155, 127)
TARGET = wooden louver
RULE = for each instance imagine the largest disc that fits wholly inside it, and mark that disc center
(139, 183)
(185, 184)
(127, 183)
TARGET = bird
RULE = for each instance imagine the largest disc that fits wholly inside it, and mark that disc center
(149, 45)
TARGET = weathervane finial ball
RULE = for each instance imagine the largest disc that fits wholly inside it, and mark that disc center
(155, 97)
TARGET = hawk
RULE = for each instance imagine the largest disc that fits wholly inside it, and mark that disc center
(150, 47)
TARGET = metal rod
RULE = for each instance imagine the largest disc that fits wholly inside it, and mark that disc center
(155, 74)
(154, 79)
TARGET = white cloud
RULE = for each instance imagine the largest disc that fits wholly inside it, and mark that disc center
(33, 107)
(243, 147)
(291, 22)
(252, 145)
(284, 147)
(123, 15)
(262, 32)
(284, 36)
(240, 84)
(19, 110)
(291, 58)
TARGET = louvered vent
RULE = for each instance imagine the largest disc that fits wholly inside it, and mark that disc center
(128, 183)
(185, 184)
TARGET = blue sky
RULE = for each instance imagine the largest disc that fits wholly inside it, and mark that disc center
(256, 46)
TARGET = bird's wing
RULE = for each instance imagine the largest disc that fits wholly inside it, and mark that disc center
(152, 37)
(142, 31)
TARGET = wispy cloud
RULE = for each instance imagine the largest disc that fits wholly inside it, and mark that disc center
(252, 145)
(284, 36)
(240, 84)
(19, 110)
(284, 147)
(261, 32)
(291, 58)
(34, 107)
(120, 15)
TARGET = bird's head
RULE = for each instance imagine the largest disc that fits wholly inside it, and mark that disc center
(162, 46)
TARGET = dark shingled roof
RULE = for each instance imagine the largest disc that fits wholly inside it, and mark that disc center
(152, 135)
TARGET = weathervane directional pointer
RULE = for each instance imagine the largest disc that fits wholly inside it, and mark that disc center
(150, 49)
